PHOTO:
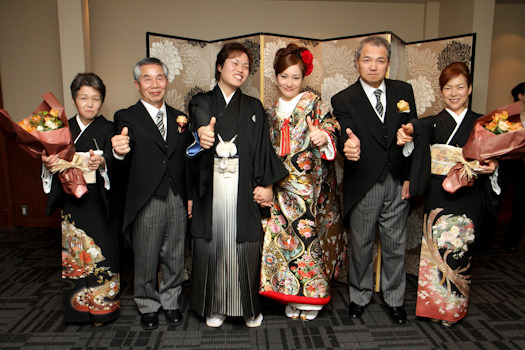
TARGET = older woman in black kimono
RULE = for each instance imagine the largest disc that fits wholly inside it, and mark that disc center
(90, 270)
(233, 168)
(451, 219)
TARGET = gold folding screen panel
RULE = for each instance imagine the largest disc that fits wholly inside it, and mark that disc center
(191, 64)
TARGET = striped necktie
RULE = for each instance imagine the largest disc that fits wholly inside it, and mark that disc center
(160, 123)
(379, 105)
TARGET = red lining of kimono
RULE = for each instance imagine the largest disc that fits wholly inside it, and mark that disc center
(287, 298)
(323, 155)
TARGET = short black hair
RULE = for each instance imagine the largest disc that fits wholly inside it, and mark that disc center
(228, 50)
(87, 79)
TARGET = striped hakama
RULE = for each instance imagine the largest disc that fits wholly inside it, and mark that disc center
(221, 267)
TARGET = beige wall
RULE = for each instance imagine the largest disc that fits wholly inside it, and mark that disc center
(118, 38)
(29, 54)
(507, 67)
(471, 16)
(455, 17)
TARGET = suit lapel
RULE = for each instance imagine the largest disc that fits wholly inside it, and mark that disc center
(173, 132)
(367, 114)
(391, 114)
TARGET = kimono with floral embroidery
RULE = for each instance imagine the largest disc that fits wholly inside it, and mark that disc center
(304, 243)
(451, 220)
(90, 235)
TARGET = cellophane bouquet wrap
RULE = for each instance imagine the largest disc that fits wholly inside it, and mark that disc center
(55, 139)
(483, 144)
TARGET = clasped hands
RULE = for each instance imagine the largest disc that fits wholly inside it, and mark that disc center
(404, 135)
(95, 161)
(263, 196)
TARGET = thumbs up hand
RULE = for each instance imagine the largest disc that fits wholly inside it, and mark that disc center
(95, 161)
(403, 134)
(317, 137)
(352, 146)
(207, 134)
(120, 142)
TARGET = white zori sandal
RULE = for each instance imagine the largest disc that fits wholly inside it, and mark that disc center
(306, 312)
(308, 315)
(215, 321)
(292, 312)
(253, 322)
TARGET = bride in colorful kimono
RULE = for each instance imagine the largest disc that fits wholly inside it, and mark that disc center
(233, 167)
(451, 219)
(303, 239)
(90, 236)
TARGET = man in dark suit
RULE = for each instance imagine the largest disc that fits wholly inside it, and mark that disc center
(152, 144)
(375, 190)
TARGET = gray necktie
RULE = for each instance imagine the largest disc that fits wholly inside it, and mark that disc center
(379, 105)
(160, 123)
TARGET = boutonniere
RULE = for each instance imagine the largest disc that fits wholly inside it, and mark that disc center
(403, 107)
(182, 121)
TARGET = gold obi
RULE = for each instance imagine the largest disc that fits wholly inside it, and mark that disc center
(444, 157)
(300, 184)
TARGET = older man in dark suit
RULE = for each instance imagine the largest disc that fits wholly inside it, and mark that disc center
(153, 144)
(375, 186)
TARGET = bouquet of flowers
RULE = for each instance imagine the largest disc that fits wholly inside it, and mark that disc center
(500, 124)
(42, 121)
(495, 135)
(47, 129)
(483, 143)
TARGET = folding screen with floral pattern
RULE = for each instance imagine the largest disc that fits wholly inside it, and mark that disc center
(191, 64)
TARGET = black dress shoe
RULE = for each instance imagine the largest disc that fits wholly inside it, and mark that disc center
(173, 317)
(149, 320)
(355, 311)
(398, 314)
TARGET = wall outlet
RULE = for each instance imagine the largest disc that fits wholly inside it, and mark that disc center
(24, 210)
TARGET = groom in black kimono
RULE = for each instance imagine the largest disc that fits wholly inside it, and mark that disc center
(227, 238)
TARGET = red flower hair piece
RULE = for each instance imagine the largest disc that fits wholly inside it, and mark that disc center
(308, 59)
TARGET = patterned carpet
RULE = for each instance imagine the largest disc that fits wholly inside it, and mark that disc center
(30, 309)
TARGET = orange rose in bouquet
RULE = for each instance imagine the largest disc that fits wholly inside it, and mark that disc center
(47, 129)
(42, 121)
(500, 124)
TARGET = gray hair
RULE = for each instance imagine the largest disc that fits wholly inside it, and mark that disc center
(145, 61)
(376, 41)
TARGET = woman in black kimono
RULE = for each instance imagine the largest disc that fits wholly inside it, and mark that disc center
(90, 270)
(233, 168)
(450, 219)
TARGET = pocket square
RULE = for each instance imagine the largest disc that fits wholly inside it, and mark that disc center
(253, 118)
